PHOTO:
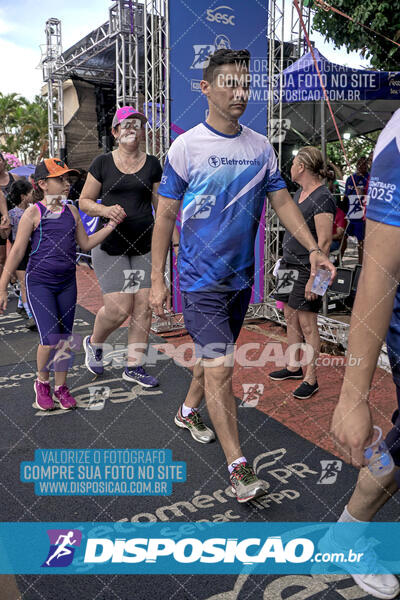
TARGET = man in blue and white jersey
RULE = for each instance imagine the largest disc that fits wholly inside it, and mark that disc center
(354, 199)
(376, 307)
(220, 171)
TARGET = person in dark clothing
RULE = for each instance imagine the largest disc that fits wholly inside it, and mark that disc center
(6, 181)
(318, 208)
(77, 183)
(127, 181)
(54, 229)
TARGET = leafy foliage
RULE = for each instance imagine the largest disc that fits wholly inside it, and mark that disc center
(355, 147)
(23, 127)
(381, 16)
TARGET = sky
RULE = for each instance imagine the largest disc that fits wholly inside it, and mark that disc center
(22, 38)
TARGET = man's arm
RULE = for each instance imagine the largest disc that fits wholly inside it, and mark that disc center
(166, 214)
(154, 200)
(351, 423)
(292, 219)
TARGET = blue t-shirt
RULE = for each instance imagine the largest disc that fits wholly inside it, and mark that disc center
(356, 201)
(223, 180)
(384, 183)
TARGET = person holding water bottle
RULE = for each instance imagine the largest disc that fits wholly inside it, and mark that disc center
(301, 304)
(54, 228)
(376, 307)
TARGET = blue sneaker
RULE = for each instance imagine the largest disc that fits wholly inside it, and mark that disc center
(379, 585)
(93, 357)
(139, 375)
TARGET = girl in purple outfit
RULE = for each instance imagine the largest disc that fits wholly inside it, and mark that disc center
(54, 228)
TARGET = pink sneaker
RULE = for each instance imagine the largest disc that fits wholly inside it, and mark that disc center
(43, 400)
(64, 398)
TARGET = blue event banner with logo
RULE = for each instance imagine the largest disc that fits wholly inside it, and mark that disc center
(199, 28)
(198, 548)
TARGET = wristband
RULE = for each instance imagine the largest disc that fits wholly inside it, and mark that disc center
(175, 245)
(316, 249)
(110, 225)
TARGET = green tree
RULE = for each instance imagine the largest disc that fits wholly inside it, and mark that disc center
(382, 17)
(23, 127)
(355, 147)
(9, 106)
(34, 129)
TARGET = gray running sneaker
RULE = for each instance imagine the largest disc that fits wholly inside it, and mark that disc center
(199, 432)
(31, 324)
(93, 357)
(245, 483)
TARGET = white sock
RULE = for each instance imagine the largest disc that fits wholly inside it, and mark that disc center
(27, 309)
(343, 536)
(346, 517)
(40, 380)
(186, 410)
(239, 460)
(57, 387)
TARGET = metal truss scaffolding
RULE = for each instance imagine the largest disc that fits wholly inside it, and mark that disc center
(156, 77)
(89, 59)
(280, 51)
(286, 43)
(55, 97)
(126, 25)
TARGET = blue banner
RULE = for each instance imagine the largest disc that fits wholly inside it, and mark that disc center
(199, 29)
(199, 548)
(301, 82)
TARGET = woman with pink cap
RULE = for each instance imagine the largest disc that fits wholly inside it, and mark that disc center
(127, 181)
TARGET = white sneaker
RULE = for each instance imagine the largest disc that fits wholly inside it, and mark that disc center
(379, 585)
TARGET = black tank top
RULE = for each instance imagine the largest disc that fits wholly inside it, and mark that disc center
(6, 190)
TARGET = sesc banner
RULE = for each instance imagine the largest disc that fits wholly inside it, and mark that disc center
(199, 29)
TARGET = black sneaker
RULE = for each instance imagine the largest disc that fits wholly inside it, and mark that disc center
(286, 374)
(306, 390)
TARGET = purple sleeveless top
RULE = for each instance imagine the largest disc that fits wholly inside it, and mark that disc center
(53, 254)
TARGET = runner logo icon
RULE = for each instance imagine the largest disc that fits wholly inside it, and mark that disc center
(62, 547)
(252, 392)
(204, 205)
(202, 54)
(329, 471)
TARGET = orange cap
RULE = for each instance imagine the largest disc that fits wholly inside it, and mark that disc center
(52, 167)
